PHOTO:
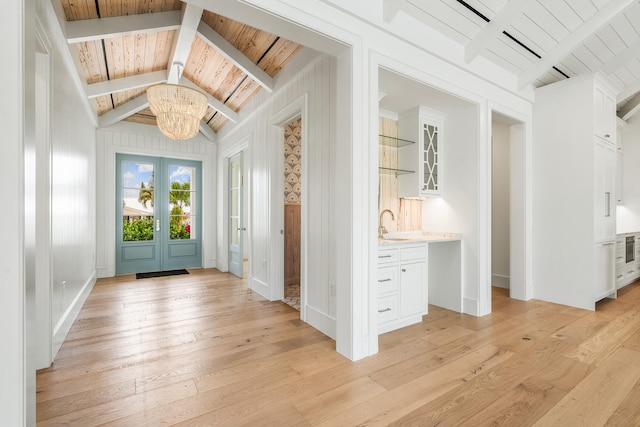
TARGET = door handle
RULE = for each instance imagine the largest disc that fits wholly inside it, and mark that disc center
(157, 225)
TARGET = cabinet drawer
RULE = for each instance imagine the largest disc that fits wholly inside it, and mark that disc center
(387, 279)
(413, 253)
(387, 308)
(387, 256)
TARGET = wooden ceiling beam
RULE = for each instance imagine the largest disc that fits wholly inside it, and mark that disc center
(104, 28)
(630, 108)
(123, 111)
(182, 47)
(213, 102)
(126, 83)
(622, 58)
(257, 18)
(493, 29)
(216, 41)
(573, 40)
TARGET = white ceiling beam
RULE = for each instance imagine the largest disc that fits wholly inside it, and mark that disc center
(390, 9)
(495, 27)
(182, 48)
(103, 28)
(213, 102)
(206, 130)
(236, 57)
(628, 91)
(630, 108)
(575, 38)
(257, 18)
(126, 83)
(622, 58)
(123, 111)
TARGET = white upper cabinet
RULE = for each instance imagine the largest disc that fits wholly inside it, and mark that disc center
(604, 114)
(425, 127)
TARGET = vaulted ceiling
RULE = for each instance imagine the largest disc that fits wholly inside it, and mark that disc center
(543, 41)
(121, 47)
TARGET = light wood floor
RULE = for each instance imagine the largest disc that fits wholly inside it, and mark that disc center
(203, 350)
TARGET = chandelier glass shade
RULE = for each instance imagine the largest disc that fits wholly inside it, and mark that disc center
(178, 109)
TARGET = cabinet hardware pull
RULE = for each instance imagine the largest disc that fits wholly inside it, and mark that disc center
(384, 280)
(606, 135)
(384, 256)
(384, 309)
(607, 204)
(404, 270)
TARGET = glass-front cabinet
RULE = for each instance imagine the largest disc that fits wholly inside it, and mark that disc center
(425, 157)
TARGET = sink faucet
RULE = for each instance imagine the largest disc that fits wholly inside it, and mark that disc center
(381, 228)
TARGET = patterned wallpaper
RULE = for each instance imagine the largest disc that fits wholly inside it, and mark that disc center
(292, 163)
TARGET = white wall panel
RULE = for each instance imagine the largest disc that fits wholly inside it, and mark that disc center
(266, 216)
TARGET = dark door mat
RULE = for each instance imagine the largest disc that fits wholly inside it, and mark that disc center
(160, 273)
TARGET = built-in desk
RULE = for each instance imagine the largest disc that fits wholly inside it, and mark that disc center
(414, 270)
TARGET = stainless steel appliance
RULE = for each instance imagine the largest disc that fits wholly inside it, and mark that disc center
(630, 248)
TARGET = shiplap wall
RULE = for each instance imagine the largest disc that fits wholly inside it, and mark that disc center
(133, 138)
(266, 215)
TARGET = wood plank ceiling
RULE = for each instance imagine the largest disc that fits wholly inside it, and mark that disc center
(117, 40)
(543, 41)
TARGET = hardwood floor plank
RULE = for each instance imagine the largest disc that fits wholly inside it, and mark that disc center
(202, 349)
(600, 345)
(470, 398)
(520, 407)
(595, 399)
(628, 413)
(391, 405)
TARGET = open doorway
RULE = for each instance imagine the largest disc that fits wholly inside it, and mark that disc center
(292, 211)
(508, 202)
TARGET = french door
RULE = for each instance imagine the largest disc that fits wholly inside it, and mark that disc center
(235, 215)
(158, 214)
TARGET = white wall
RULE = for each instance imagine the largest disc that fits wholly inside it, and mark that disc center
(132, 138)
(258, 125)
(17, 391)
(500, 205)
(628, 214)
(72, 147)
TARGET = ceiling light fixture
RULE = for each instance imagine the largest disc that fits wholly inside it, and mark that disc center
(178, 109)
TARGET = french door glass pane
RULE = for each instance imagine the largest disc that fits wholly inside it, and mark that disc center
(137, 201)
(182, 202)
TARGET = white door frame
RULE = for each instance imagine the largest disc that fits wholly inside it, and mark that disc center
(520, 235)
(294, 110)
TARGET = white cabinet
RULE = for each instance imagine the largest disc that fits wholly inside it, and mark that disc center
(604, 173)
(627, 272)
(605, 269)
(619, 179)
(402, 286)
(574, 172)
(604, 113)
(425, 157)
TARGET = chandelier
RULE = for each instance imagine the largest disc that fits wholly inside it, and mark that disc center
(178, 109)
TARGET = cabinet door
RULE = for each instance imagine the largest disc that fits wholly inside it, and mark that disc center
(610, 192)
(604, 170)
(431, 168)
(604, 114)
(413, 285)
(605, 271)
(619, 179)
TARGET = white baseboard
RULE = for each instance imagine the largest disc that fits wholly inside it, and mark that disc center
(321, 321)
(101, 273)
(500, 281)
(260, 287)
(62, 328)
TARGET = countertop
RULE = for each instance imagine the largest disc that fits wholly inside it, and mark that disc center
(406, 237)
